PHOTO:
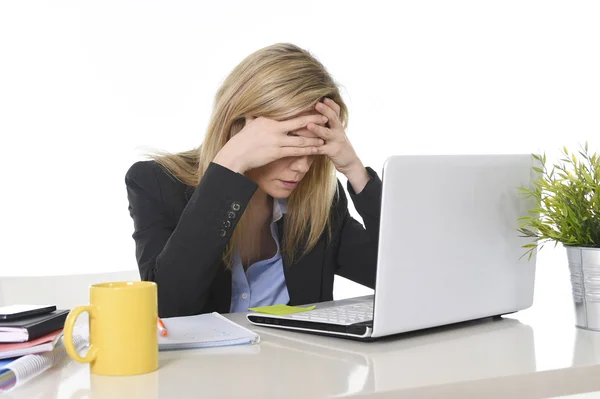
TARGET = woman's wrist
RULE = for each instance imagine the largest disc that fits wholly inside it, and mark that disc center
(230, 162)
(358, 177)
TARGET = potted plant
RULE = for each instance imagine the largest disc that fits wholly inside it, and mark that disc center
(568, 212)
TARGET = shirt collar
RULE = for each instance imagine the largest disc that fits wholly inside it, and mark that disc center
(279, 208)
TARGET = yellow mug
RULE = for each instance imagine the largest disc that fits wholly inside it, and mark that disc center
(123, 331)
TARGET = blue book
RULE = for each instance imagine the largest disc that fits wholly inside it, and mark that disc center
(8, 378)
(5, 362)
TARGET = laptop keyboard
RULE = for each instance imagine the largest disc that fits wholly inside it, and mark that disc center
(342, 315)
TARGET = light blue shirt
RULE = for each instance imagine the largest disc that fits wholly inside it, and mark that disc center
(263, 283)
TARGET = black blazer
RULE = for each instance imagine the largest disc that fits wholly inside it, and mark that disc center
(180, 234)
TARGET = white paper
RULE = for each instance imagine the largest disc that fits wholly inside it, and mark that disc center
(13, 334)
(204, 331)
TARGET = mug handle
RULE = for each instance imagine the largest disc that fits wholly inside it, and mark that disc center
(68, 336)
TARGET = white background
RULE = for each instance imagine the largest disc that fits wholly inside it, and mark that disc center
(84, 84)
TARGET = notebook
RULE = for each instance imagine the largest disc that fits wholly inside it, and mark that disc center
(16, 372)
(38, 345)
(33, 327)
(204, 331)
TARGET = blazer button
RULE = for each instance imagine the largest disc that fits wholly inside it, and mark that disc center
(222, 233)
(226, 223)
(231, 215)
(235, 206)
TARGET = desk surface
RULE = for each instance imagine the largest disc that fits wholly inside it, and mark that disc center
(502, 357)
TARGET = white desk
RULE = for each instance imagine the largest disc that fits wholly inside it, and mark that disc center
(493, 358)
(534, 353)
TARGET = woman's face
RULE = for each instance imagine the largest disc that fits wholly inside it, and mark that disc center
(280, 177)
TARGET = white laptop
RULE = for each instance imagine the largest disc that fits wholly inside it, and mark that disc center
(449, 249)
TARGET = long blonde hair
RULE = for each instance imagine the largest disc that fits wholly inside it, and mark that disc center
(278, 82)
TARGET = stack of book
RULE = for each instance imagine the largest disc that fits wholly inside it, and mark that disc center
(22, 337)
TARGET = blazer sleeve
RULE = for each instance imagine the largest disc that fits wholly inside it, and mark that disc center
(183, 257)
(358, 245)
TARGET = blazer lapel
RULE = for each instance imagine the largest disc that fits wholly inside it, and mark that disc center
(279, 224)
(188, 192)
(304, 277)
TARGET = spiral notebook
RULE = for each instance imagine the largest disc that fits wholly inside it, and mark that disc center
(204, 331)
(14, 373)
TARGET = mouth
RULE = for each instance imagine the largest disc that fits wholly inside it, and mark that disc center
(289, 183)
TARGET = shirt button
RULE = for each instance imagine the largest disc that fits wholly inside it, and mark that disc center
(244, 296)
(235, 206)
(231, 215)
(222, 233)
(226, 223)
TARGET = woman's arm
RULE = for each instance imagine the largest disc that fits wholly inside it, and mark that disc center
(357, 245)
(183, 258)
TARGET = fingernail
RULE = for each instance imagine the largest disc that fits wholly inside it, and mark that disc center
(321, 142)
(314, 150)
(325, 119)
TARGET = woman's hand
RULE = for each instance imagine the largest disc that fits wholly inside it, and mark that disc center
(264, 140)
(337, 146)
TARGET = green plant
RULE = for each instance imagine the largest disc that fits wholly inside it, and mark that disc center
(568, 202)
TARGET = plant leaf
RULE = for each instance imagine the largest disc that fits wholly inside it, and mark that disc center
(567, 201)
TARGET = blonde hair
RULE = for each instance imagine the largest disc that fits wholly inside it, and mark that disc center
(278, 82)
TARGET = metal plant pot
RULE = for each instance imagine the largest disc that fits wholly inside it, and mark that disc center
(584, 264)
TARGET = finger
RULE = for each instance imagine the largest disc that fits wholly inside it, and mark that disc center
(325, 150)
(300, 122)
(296, 151)
(334, 121)
(300, 141)
(333, 105)
(320, 131)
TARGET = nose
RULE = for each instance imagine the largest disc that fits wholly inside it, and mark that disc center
(300, 164)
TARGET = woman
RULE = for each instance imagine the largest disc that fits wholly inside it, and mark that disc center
(255, 216)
